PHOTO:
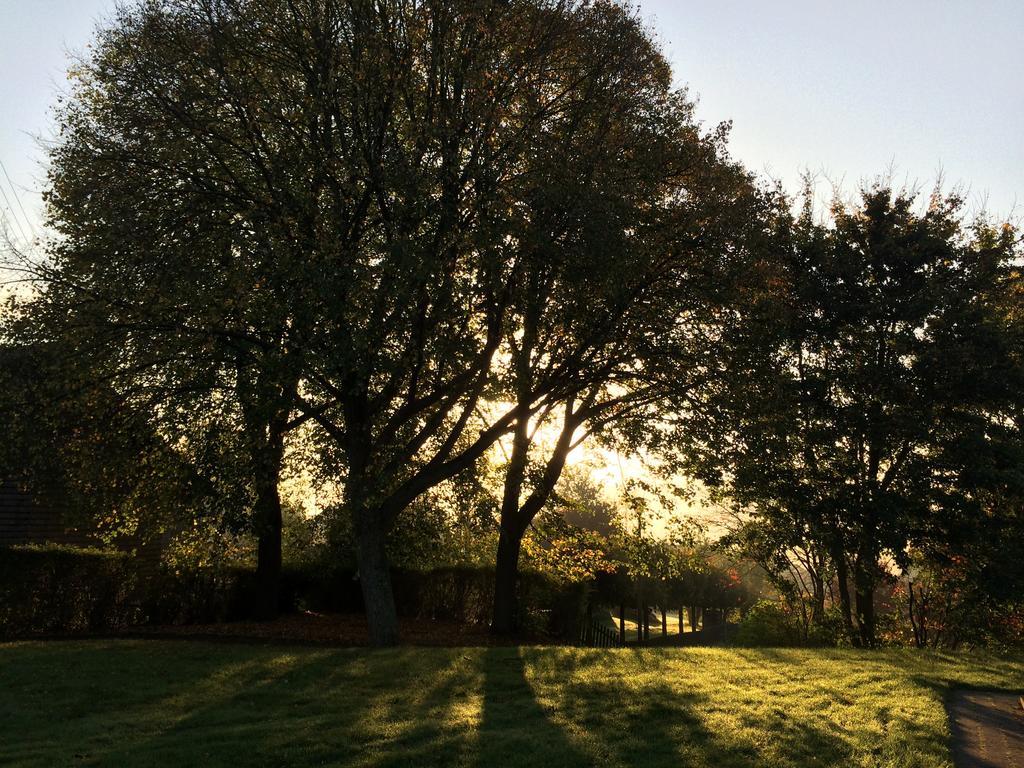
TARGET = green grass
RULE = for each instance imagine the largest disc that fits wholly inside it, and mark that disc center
(153, 703)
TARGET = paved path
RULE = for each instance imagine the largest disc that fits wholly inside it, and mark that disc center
(988, 729)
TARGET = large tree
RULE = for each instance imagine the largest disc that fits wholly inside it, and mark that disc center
(319, 211)
(622, 287)
(866, 383)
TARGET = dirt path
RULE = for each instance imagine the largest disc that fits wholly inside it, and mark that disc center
(988, 729)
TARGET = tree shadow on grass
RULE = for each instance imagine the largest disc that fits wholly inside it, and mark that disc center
(882, 714)
(642, 719)
(478, 708)
(516, 729)
(229, 715)
(316, 708)
(104, 694)
(393, 709)
(217, 705)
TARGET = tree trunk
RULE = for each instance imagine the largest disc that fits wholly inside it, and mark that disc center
(267, 513)
(506, 576)
(510, 536)
(375, 580)
(664, 624)
(622, 623)
(919, 640)
(265, 406)
(843, 584)
(865, 578)
(266, 468)
(517, 514)
(818, 604)
(865, 597)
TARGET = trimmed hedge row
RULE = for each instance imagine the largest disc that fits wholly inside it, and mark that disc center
(63, 590)
(461, 594)
(58, 590)
(46, 590)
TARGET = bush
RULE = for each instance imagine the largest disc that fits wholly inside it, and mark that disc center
(831, 631)
(558, 609)
(66, 590)
(456, 593)
(453, 594)
(200, 596)
(768, 623)
(60, 590)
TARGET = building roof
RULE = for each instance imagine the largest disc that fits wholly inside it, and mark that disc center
(27, 519)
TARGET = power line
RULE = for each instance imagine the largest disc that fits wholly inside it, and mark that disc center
(14, 218)
(17, 199)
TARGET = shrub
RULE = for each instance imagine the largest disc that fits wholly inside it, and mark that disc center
(62, 590)
(455, 593)
(199, 596)
(768, 623)
(59, 589)
(831, 631)
(67, 590)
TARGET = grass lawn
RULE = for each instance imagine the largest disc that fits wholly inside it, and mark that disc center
(183, 703)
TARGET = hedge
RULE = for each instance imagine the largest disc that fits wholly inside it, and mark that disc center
(58, 590)
(461, 594)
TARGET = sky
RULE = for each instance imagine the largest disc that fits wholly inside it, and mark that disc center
(849, 90)
(845, 90)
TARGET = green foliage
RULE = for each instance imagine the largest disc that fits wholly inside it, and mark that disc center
(947, 600)
(868, 385)
(548, 607)
(567, 552)
(60, 590)
(75, 444)
(300, 534)
(404, 231)
(429, 535)
(435, 531)
(341, 215)
(769, 623)
(54, 590)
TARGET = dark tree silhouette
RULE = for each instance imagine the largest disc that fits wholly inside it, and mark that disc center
(322, 212)
(869, 358)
